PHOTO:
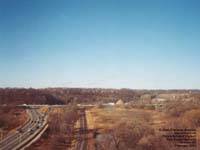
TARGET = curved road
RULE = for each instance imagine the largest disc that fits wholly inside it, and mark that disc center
(34, 124)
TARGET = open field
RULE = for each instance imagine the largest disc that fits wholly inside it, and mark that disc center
(105, 118)
(116, 124)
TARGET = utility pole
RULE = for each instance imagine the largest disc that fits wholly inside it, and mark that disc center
(20, 138)
(20, 123)
(1, 134)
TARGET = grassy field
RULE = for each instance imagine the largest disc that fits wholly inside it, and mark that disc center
(144, 125)
(105, 118)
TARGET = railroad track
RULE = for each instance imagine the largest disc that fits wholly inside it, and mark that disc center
(82, 134)
(15, 141)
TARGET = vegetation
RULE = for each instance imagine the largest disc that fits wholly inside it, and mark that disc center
(136, 129)
(15, 96)
(60, 132)
(11, 117)
(177, 108)
(26, 96)
(132, 125)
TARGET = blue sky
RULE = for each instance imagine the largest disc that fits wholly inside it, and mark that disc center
(139, 44)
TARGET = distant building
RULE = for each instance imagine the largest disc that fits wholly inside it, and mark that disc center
(111, 104)
(119, 103)
(145, 97)
(108, 104)
(158, 100)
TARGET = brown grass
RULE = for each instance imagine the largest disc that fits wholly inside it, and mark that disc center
(105, 118)
(11, 119)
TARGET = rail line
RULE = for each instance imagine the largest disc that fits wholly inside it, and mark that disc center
(82, 134)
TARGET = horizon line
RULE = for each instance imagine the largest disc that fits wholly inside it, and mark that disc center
(106, 88)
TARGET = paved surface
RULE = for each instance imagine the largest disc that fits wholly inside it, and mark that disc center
(34, 124)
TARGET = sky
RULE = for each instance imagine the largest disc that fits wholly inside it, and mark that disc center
(137, 44)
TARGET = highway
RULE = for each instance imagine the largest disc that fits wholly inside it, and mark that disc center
(23, 135)
(82, 134)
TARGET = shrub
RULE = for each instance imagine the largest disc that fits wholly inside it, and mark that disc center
(178, 108)
(127, 134)
(192, 118)
(154, 142)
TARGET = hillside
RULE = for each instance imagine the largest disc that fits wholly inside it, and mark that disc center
(83, 95)
(26, 96)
